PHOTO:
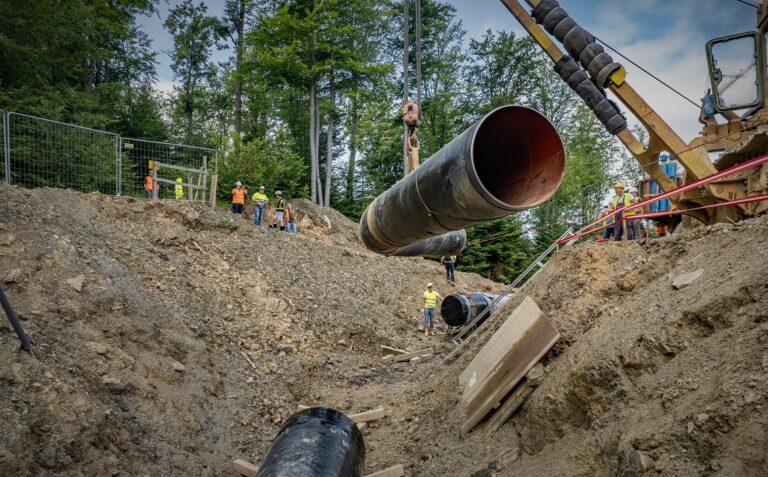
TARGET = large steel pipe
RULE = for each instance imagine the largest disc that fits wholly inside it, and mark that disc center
(510, 160)
(451, 243)
(459, 310)
(316, 442)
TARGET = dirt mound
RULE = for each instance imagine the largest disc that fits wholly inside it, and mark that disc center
(170, 339)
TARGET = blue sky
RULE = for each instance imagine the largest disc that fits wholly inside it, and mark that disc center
(665, 36)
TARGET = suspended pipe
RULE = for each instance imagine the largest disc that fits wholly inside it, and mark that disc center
(510, 160)
(316, 442)
(458, 310)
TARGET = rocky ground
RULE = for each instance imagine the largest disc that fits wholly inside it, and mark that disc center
(171, 339)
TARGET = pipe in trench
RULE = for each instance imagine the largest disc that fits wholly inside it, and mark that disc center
(510, 160)
(26, 344)
(316, 442)
(459, 310)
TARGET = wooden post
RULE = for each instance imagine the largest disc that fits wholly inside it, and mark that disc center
(189, 186)
(205, 177)
(155, 184)
(214, 184)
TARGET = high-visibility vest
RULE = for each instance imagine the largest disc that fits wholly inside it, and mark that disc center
(430, 299)
(634, 211)
(627, 201)
(280, 206)
(238, 195)
(148, 183)
(260, 198)
(179, 190)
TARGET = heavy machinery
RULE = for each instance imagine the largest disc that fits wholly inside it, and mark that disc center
(739, 98)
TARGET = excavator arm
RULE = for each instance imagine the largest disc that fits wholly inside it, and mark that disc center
(605, 74)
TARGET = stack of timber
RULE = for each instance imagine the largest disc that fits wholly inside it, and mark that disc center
(515, 348)
(397, 355)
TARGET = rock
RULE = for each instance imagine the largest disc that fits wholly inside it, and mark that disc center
(48, 456)
(536, 375)
(701, 418)
(112, 384)
(77, 282)
(98, 348)
(646, 462)
(178, 367)
(685, 279)
(285, 347)
(14, 276)
(7, 240)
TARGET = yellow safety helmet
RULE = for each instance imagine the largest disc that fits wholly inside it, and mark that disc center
(619, 185)
(179, 179)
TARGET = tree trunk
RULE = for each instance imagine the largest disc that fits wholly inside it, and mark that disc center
(238, 86)
(329, 144)
(317, 152)
(352, 150)
(312, 149)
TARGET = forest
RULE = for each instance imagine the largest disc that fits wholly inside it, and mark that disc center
(309, 101)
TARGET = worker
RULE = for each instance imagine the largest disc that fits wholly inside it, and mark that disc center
(290, 219)
(638, 229)
(260, 200)
(621, 199)
(449, 263)
(280, 210)
(608, 230)
(179, 189)
(150, 185)
(238, 198)
(430, 299)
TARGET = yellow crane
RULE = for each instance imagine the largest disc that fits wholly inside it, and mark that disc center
(739, 99)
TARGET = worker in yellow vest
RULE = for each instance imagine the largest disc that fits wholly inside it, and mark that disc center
(636, 225)
(238, 198)
(430, 299)
(260, 201)
(621, 199)
(179, 189)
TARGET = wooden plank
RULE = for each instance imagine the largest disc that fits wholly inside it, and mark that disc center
(391, 350)
(163, 165)
(415, 360)
(245, 468)
(394, 471)
(525, 314)
(513, 401)
(302, 407)
(421, 359)
(366, 416)
(214, 185)
(387, 358)
(166, 181)
(538, 339)
(407, 356)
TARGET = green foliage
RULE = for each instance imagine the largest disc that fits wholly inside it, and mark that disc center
(271, 162)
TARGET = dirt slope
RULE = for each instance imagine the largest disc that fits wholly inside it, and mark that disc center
(194, 335)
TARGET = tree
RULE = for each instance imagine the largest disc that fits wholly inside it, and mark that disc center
(194, 36)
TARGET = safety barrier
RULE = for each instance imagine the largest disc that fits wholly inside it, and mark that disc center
(588, 230)
(39, 152)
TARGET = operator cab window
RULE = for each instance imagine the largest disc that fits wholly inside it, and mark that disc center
(733, 69)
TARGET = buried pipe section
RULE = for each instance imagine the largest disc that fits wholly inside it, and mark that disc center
(512, 159)
(459, 310)
(316, 442)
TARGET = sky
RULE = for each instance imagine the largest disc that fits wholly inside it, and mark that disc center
(666, 37)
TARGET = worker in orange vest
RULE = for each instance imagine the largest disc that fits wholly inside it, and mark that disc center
(150, 186)
(238, 198)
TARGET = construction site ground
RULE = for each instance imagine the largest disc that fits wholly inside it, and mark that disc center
(171, 339)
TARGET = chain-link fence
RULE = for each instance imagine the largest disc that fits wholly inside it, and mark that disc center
(45, 153)
(38, 152)
(172, 161)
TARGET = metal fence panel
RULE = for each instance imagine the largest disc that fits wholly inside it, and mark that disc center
(45, 153)
(137, 156)
(6, 157)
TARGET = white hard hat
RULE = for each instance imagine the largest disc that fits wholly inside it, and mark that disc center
(429, 284)
(279, 192)
(238, 183)
(261, 187)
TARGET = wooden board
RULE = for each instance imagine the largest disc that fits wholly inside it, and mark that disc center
(408, 356)
(501, 341)
(366, 416)
(523, 339)
(245, 468)
(511, 403)
(390, 350)
(394, 471)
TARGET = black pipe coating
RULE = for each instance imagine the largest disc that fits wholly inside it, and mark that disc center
(316, 442)
(510, 160)
(26, 344)
(450, 243)
(459, 310)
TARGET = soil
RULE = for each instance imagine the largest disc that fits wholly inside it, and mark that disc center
(170, 339)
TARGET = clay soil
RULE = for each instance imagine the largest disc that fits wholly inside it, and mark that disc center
(170, 339)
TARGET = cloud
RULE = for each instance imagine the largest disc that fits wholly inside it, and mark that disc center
(164, 85)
